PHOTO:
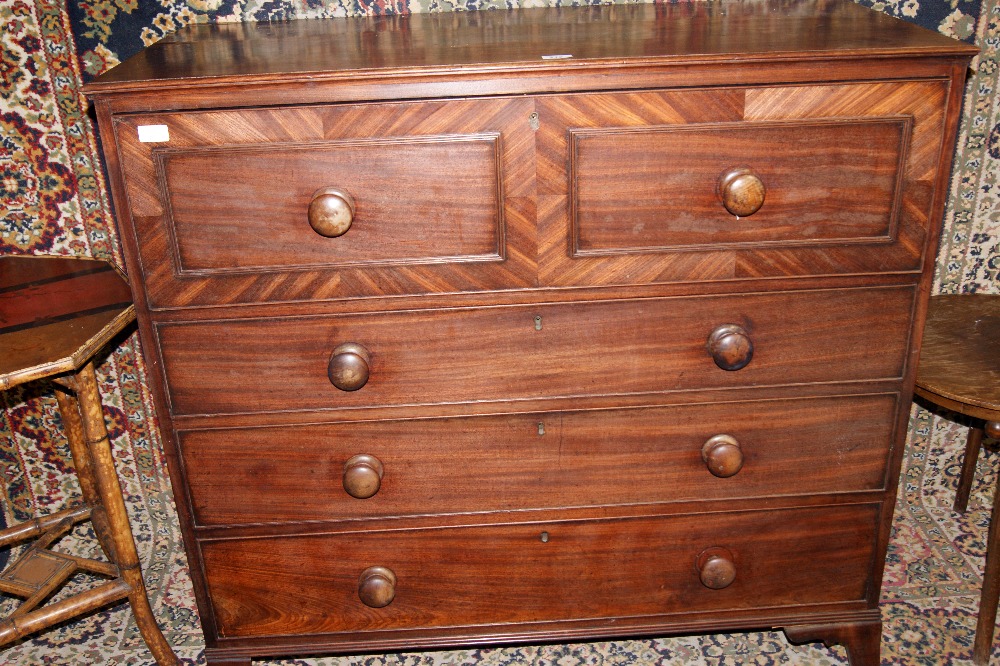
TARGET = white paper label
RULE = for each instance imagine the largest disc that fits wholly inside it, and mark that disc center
(154, 133)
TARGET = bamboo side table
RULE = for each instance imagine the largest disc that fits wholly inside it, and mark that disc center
(55, 314)
(960, 370)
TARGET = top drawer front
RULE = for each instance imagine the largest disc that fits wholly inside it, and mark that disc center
(221, 207)
(415, 199)
(658, 187)
(634, 188)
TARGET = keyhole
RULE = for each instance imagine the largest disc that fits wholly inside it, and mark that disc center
(544, 537)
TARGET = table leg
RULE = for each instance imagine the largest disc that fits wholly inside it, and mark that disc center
(990, 596)
(69, 408)
(972, 446)
(109, 491)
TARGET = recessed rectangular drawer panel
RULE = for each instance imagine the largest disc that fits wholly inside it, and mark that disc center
(467, 576)
(415, 199)
(549, 460)
(527, 352)
(330, 201)
(661, 188)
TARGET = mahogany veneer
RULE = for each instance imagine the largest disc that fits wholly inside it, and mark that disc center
(540, 324)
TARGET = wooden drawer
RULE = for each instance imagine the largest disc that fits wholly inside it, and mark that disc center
(224, 205)
(637, 190)
(526, 352)
(549, 460)
(528, 573)
(660, 187)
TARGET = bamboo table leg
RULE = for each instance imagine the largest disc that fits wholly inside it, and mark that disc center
(39, 571)
(109, 493)
(69, 408)
(57, 313)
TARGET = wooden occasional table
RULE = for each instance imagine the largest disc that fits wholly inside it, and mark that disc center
(960, 370)
(55, 315)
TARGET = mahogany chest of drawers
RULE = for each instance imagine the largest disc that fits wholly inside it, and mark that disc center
(529, 325)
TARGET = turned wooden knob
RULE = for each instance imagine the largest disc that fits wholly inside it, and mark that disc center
(377, 587)
(730, 346)
(349, 366)
(722, 455)
(716, 568)
(363, 476)
(331, 212)
(741, 191)
(992, 429)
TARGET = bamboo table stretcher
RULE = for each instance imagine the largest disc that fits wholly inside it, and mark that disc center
(56, 314)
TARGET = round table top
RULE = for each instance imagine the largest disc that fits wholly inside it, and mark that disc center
(56, 313)
(960, 358)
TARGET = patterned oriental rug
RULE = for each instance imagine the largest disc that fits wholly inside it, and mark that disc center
(53, 200)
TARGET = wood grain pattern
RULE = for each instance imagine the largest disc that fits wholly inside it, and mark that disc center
(501, 574)
(418, 200)
(55, 313)
(559, 380)
(37, 292)
(960, 359)
(656, 188)
(443, 196)
(628, 35)
(617, 347)
(663, 238)
(546, 460)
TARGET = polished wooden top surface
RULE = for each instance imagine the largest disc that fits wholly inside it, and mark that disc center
(960, 359)
(57, 312)
(550, 39)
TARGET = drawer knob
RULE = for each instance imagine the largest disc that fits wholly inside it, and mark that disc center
(331, 212)
(377, 587)
(716, 568)
(723, 456)
(363, 476)
(349, 366)
(742, 191)
(731, 347)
